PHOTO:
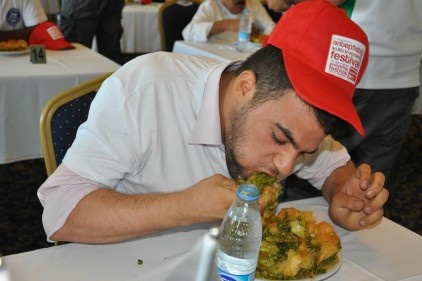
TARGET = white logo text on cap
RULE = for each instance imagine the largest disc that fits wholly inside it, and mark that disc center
(345, 58)
(54, 32)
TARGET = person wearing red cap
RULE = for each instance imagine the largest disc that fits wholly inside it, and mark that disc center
(19, 17)
(390, 85)
(168, 135)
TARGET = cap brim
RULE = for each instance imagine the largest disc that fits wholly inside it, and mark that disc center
(59, 45)
(325, 96)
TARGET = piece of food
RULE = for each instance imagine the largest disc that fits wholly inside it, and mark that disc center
(13, 45)
(270, 190)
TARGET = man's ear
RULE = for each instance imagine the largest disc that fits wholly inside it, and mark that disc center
(245, 86)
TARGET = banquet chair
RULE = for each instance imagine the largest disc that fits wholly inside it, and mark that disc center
(173, 16)
(61, 117)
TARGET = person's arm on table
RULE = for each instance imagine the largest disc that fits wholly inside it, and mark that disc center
(105, 215)
(355, 196)
(16, 34)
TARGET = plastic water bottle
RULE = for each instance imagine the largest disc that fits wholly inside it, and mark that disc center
(240, 237)
(245, 28)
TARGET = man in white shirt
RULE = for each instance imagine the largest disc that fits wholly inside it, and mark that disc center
(167, 134)
(19, 17)
(218, 20)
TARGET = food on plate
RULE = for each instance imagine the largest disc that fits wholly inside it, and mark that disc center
(296, 246)
(13, 45)
(258, 38)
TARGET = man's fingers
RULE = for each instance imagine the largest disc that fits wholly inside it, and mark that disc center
(349, 202)
(372, 218)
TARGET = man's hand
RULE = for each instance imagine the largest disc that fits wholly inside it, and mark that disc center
(359, 202)
(210, 198)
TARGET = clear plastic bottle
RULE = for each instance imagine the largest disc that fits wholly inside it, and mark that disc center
(245, 28)
(240, 237)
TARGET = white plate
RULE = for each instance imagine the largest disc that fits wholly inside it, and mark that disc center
(13, 53)
(320, 277)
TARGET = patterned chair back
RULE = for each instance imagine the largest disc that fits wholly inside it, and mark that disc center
(173, 16)
(66, 121)
(61, 118)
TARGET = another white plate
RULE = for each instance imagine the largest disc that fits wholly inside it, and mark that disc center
(13, 53)
(320, 277)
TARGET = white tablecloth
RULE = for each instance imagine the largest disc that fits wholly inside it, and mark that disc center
(25, 88)
(222, 51)
(228, 53)
(387, 252)
(140, 28)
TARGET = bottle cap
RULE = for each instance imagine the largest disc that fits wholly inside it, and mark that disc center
(248, 192)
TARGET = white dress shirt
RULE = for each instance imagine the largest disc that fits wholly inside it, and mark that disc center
(154, 126)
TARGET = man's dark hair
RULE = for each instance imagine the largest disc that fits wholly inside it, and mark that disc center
(272, 82)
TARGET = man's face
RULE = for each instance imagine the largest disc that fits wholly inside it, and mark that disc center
(234, 6)
(270, 137)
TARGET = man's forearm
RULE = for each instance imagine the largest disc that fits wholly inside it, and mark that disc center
(16, 34)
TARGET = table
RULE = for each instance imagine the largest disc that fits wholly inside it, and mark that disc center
(25, 88)
(216, 50)
(386, 252)
(227, 52)
(140, 28)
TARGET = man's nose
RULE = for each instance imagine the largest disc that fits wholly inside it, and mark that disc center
(285, 162)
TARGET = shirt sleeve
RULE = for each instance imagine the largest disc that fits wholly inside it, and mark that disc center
(59, 195)
(318, 166)
(261, 19)
(200, 26)
(33, 13)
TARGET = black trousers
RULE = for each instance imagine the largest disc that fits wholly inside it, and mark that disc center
(82, 20)
(385, 115)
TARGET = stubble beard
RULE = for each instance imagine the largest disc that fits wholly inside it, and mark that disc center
(233, 139)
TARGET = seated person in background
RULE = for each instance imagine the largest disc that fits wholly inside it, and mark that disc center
(19, 17)
(219, 20)
(168, 135)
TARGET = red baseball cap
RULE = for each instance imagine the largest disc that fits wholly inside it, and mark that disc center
(49, 35)
(325, 54)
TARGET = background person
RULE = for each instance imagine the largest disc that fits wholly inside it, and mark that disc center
(219, 20)
(167, 134)
(19, 17)
(390, 85)
(82, 21)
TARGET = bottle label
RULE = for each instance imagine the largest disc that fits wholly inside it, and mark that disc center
(224, 276)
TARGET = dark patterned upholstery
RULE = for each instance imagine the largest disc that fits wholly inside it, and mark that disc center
(66, 121)
(173, 17)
